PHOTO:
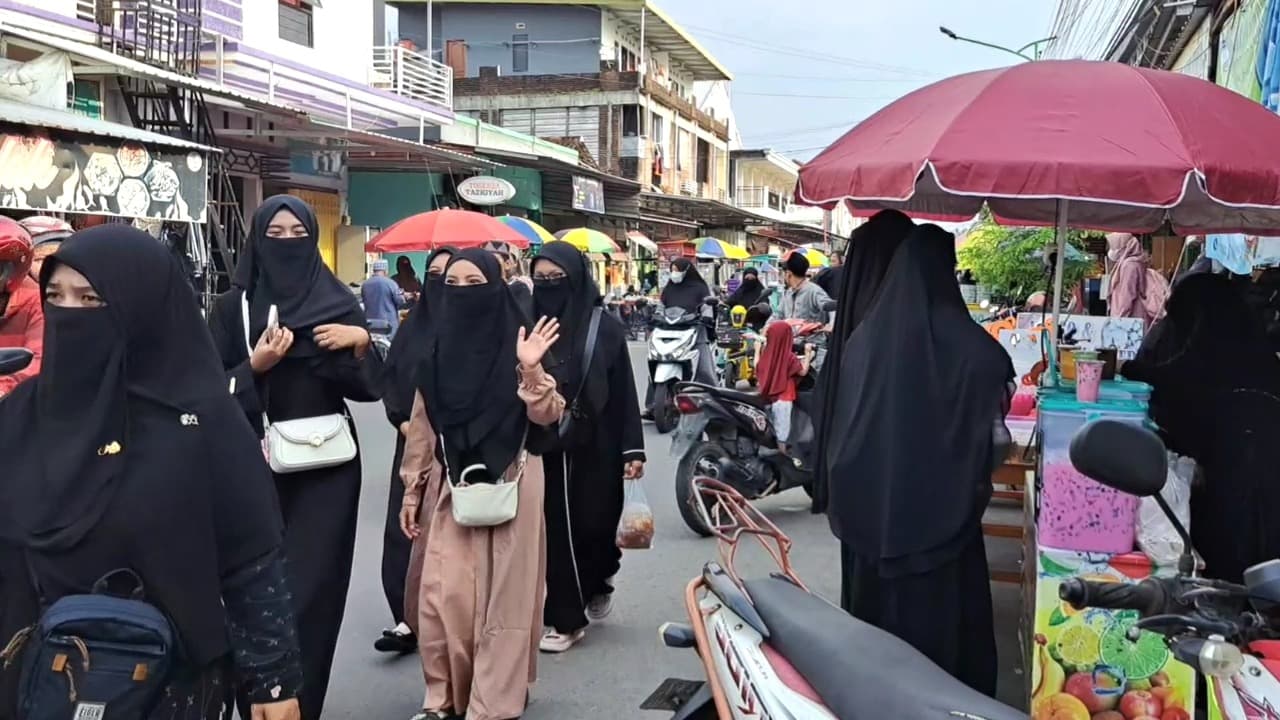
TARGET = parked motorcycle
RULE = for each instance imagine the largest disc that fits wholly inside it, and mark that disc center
(673, 357)
(737, 334)
(770, 648)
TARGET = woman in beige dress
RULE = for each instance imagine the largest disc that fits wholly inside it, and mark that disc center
(483, 396)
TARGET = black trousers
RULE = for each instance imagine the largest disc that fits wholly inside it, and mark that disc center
(582, 507)
(320, 512)
(944, 613)
(395, 546)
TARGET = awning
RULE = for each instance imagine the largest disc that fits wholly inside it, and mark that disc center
(620, 257)
(597, 257)
(373, 150)
(42, 117)
(94, 60)
(642, 240)
(704, 211)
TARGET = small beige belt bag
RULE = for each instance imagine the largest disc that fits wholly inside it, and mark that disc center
(486, 504)
(311, 443)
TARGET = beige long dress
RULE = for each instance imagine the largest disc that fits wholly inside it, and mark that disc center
(481, 589)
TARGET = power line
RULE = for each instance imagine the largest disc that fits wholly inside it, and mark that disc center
(809, 54)
(818, 97)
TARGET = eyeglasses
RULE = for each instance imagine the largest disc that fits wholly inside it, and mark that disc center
(553, 275)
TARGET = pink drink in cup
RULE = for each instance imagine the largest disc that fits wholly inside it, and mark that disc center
(1088, 380)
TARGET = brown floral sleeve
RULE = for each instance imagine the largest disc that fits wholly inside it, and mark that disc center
(538, 391)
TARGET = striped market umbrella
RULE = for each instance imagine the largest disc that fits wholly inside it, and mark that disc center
(719, 249)
(588, 240)
(815, 257)
(528, 228)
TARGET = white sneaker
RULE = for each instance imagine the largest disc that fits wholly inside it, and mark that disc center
(600, 607)
(554, 642)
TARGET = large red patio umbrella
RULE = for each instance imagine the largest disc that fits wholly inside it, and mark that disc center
(1127, 149)
(438, 228)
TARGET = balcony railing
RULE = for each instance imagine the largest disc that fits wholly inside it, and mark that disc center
(760, 198)
(412, 75)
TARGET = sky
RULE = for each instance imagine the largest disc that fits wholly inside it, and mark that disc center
(805, 71)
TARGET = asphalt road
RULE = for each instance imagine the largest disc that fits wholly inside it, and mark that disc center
(621, 660)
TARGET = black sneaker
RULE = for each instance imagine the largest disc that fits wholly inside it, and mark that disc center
(398, 640)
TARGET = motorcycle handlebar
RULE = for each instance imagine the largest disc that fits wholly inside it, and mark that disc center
(1149, 597)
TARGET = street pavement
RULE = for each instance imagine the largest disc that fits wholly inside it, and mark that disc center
(621, 660)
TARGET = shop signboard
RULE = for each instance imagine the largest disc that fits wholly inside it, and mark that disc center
(127, 179)
(486, 190)
(1123, 334)
(588, 194)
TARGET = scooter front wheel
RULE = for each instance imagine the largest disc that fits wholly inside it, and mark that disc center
(665, 414)
(702, 460)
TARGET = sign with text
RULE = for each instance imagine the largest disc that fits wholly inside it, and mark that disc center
(486, 190)
(588, 194)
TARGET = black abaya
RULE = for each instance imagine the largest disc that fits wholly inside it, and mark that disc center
(318, 507)
(920, 387)
(584, 471)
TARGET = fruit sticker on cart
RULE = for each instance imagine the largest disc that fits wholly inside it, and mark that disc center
(1084, 666)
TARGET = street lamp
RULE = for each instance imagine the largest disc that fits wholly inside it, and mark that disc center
(1020, 52)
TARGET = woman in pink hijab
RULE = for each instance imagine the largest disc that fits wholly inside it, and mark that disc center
(1136, 290)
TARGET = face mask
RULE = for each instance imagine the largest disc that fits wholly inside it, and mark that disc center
(80, 347)
(1113, 255)
(677, 277)
(286, 262)
(550, 297)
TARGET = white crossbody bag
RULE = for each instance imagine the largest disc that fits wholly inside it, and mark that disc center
(311, 443)
(485, 504)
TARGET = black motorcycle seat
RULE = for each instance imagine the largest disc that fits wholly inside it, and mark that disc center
(860, 671)
(750, 398)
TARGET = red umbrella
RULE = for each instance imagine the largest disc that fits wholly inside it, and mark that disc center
(456, 228)
(1126, 148)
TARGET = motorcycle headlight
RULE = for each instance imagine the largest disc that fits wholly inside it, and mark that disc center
(1219, 658)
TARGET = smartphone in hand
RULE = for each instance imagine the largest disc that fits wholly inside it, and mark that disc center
(273, 319)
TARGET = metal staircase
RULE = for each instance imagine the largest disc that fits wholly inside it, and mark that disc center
(167, 34)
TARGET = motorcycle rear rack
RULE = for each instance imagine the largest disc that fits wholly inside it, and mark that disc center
(729, 516)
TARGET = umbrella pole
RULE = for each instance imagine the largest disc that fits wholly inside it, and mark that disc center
(1059, 266)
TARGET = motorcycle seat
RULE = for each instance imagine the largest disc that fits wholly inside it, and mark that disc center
(860, 671)
(753, 399)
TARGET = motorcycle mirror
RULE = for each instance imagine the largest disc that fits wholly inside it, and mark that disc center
(1120, 455)
(711, 301)
(14, 360)
(1133, 460)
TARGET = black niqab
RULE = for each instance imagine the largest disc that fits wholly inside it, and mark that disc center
(67, 444)
(290, 274)
(871, 248)
(468, 378)
(921, 386)
(690, 292)
(748, 292)
(570, 301)
(409, 348)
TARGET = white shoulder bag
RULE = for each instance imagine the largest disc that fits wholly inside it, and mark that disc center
(310, 443)
(485, 504)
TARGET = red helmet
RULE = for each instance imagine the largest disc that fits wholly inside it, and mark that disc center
(15, 254)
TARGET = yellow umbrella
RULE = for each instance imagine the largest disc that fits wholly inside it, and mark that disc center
(716, 248)
(588, 240)
(528, 228)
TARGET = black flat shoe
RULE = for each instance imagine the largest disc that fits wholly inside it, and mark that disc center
(394, 642)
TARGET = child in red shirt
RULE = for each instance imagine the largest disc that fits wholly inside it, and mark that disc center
(779, 371)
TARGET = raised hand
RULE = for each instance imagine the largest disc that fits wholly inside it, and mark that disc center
(532, 345)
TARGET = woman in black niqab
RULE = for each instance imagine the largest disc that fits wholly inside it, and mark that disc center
(749, 291)
(912, 447)
(586, 464)
(127, 452)
(310, 366)
(686, 288)
(399, 384)
(1216, 399)
(871, 247)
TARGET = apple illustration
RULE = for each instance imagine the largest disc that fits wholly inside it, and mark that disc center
(1139, 704)
(1108, 715)
(1175, 714)
(1096, 698)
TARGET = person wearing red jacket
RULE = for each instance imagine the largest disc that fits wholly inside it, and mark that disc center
(21, 313)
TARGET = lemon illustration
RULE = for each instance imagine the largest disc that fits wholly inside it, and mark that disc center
(1078, 646)
(1139, 660)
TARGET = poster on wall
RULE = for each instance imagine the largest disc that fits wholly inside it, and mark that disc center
(127, 180)
(588, 194)
(1123, 334)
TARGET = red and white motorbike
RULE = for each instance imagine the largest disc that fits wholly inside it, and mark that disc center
(771, 649)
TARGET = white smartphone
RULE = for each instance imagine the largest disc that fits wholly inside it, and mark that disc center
(273, 318)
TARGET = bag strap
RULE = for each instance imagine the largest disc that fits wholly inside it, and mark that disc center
(519, 474)
(588, 353)
(248, 347)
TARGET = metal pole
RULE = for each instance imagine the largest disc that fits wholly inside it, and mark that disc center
(431, 37)
(1059, 266)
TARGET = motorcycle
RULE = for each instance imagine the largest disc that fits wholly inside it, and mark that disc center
(673, 357)
(737, 334)
(770, 648)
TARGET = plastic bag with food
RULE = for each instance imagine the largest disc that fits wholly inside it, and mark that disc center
(635, 530)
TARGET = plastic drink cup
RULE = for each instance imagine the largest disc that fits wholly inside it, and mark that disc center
(1088, 380)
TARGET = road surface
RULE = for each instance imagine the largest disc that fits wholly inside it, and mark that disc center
(621, 660)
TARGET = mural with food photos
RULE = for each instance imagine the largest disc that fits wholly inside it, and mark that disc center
(127, 179)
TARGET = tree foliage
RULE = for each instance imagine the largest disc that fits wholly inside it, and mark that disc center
(1008, 260)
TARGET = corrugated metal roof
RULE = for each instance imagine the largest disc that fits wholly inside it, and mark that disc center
(23, 114)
